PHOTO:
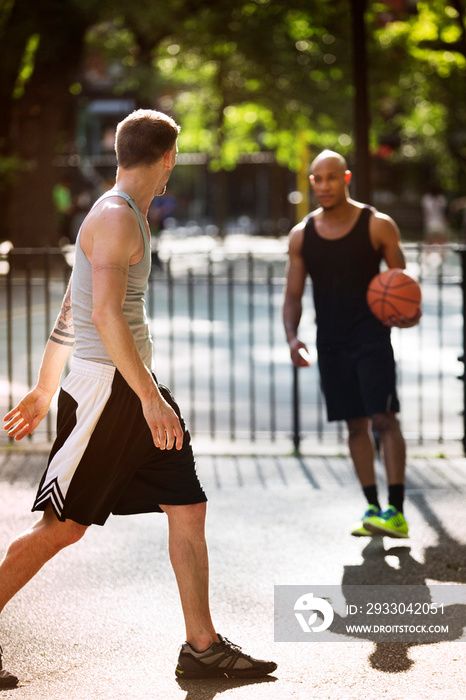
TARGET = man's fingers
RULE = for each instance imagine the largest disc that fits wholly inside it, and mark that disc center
(18, 429)
(156, 437)
(179, 435)
(12, 418)
(305, 356)
(10, 415)
(168, 439)
(13, 425)
(19, 436)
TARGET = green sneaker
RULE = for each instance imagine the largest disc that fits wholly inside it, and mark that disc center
(389, 522)
(358, 529)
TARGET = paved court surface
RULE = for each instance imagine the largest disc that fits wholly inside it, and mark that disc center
(102, 621)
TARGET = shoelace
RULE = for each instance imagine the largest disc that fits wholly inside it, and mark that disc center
(388, 514)
(234, 649)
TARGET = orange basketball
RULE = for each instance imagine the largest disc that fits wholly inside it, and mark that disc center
(393, 293)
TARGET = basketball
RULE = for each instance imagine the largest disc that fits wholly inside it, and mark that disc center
(393, 293)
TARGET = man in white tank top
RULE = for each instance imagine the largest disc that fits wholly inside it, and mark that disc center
(112, 396)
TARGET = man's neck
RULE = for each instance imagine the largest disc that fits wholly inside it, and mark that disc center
(140, 185)
(340, 213)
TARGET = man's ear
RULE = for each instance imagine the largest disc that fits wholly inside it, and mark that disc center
(311, 179)
(168, 158)
(347, 177)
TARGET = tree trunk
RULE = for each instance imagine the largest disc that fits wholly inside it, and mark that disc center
(16, 27)
(37, 121)
(362, 170)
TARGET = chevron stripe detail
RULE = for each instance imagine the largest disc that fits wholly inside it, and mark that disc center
(53, 492)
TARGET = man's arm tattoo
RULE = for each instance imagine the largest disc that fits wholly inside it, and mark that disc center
(63, 333)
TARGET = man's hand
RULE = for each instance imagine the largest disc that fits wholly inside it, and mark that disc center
(299, 353)
(26, 416)
(163, 423)
(403, 322)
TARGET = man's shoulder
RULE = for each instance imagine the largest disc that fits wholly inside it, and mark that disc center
(362, 206)
(303, 223)
(378, 218)
(111, 215)
(374, 215)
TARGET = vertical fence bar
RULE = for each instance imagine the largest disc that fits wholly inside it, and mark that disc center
(210, 304)
(231, 347)
(272, 401)
(440, 346)
(192, 383)
(28, 327)
(420, 374)
(150, 297)
(9, 317)
(171, 334)
(320, 415)
(48, 324)
(296, 411)
(152, 312)
(462, 253)
(252, 389)
(28, 323)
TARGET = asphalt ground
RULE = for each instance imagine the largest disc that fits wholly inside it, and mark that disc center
(102, 621)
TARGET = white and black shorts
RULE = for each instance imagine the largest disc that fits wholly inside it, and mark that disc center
(104, 460)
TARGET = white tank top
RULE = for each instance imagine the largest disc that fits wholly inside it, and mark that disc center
(88, 345)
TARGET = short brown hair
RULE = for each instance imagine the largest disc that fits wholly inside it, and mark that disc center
(143, 137)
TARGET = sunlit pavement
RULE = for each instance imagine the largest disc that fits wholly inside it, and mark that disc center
(103, 620)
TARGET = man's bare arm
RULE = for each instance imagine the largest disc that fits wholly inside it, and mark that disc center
(386, 237)
(24, 418)
(296, 274)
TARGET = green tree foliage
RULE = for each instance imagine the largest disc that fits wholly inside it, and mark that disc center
(42, 57)
(242, 76)
(245, 77)
(419, 97)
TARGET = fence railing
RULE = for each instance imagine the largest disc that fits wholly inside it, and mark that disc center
(219, 344)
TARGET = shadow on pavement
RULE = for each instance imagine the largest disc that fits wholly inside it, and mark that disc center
(445, 562)
(209, 689)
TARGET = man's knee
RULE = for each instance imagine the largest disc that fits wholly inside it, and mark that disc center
(61, 534)
(357, 427)
(385, 422)
(191, 516)
(74, 532)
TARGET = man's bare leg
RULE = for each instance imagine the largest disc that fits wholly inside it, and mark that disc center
(361, 447)
(388, 428)
(28, 553)
(188, 555)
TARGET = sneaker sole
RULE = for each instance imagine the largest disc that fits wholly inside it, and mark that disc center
(219, 673)
(378, 530)
(362, 534)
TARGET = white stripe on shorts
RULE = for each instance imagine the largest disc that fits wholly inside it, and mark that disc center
(90, 385)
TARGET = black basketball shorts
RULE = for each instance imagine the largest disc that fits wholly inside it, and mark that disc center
(358, 382)
(104, 460)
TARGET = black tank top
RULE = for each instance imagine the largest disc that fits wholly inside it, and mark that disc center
(340, 270)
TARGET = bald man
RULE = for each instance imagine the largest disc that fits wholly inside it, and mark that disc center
(341, 246)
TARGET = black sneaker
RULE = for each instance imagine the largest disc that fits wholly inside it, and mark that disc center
(7, 680)
(221, 659)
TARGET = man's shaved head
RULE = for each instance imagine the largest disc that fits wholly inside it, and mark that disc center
(329, 155)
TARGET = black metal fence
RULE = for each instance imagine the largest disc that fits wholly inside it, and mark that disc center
(219, 344)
